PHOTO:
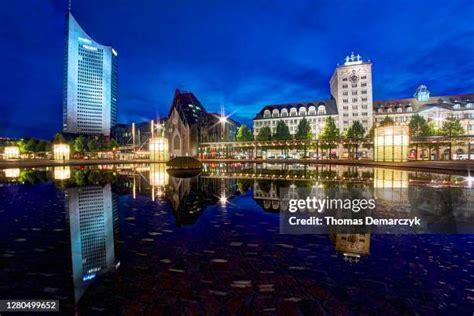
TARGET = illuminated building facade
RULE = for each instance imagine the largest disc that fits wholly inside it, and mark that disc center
(93, 216)
(11, 152)
(391, 143)
(433, 108)
(315, 112)
(90, 83)
(189, 124)
(352, 100)
(351, 87)
(137, 134)
(61, 151)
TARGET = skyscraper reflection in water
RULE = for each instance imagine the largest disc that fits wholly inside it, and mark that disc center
(93, 219)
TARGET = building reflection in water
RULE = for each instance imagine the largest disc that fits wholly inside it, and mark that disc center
(190, 196)
(159, 179)
(352, 246)
(12, 173)
(391, 185)
(62, 173)
(187, 200)
(93, 220)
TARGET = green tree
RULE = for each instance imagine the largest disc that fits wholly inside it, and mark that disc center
(22, 145)
(355, 133)
(43, 146)
(330, 133)
(79, 144)
(264, 134)
(451, 127)
(371, 132)
(92, 144)
(369, 138)
(114, 144)
(387, 121)
(101, 142)
(282, 131)
(303, 131)
(420, 127)
(59, 139)
(244, 134)
(32, 145)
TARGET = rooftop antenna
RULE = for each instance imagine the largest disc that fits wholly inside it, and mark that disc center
(69, 5)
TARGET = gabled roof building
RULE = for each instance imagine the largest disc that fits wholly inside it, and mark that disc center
(189, 124)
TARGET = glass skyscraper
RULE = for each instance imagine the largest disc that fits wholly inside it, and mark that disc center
(93, 218)
(90, 83)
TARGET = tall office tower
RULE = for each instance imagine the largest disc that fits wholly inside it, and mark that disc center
(90, 83)
(351, 87)
(93, 220)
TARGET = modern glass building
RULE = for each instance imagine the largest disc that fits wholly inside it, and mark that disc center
(93, 218)
(90, 83)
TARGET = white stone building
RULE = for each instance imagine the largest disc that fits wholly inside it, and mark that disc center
(292, 113)
(435, 109)
(351, 87)
(352, 100)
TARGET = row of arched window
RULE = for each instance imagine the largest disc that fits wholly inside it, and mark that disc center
(302, 111)
(397, 109)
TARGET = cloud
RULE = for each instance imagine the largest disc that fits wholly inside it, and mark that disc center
(242, 55)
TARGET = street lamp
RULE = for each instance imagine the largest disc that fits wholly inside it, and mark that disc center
(223, 120)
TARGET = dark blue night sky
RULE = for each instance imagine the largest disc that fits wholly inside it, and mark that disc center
(241, 55)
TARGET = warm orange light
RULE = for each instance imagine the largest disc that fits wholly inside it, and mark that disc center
(12, 152)
(158, 148)
(62, 173)
(391, 143)
(61, 152)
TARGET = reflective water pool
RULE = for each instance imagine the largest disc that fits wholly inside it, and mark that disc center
(132, 240)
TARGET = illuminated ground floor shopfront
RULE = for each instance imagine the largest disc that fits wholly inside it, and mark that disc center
(426, 148)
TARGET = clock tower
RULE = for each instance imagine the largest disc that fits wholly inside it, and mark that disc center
(351, 87)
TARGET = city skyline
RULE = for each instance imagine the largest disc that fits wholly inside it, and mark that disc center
(273, 56)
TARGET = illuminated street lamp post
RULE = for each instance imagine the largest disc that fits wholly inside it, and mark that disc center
(223, 120)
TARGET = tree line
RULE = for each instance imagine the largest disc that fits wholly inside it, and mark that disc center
(78, 144)
(354, 136)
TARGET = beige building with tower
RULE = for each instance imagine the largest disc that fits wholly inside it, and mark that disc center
(351, 87)
(351, 100)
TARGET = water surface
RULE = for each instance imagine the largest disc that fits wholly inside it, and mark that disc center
(130, 239)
